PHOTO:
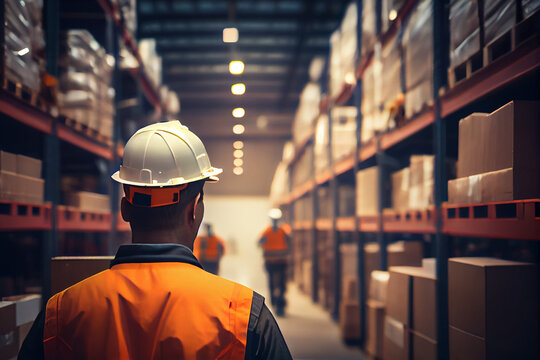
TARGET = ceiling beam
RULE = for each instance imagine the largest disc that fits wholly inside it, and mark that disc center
(315, 49)
(173, 33)
(223, 16)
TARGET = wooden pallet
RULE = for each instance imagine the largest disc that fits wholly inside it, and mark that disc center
(524, 32)
(466, 69)
(23, 93)
(74, 124)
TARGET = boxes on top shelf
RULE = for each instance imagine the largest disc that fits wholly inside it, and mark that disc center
(316, 68)
(464, 30)
(8, 161)
(20, 178)
(498, 155)
(400, 189)
(492, 309)
(306, 113)
(421, 190)
(88, 201)
(320, 146)
(349, 43)
(418, 48)
(367, 192)
(335, 69)
(369, 27)
(343, 131)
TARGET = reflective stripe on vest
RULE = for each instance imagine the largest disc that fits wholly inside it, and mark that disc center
(149, 311)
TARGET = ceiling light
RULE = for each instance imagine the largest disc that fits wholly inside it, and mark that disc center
(238, 129)
(238, 162)
(238, 171)
(392, 15)
(238, 145)
(23, 52)
(238, 89)
(230, 35)
(238, 112)
(236, 67)
(238, 154)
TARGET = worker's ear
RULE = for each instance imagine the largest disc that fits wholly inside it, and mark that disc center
(191, 211)
(125, 208)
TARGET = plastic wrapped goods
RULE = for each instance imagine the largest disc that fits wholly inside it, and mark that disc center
(349, 43)
(369, 30)
(343, 131)
(336, 70)
(418, 47)
(499, 17)
(320, 147)
(316, 68)
(302, 170)
(529, 7)
(279, 188)
(391, 86)
(373, 120)
(306, 114)
(464, 30)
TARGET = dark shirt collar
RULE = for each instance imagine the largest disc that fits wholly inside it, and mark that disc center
(150, 253)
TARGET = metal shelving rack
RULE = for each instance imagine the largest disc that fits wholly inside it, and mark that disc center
(51, 217)
(517, 220)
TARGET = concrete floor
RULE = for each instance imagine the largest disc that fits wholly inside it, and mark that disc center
(307, 328)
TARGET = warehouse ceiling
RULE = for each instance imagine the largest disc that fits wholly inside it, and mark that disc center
(277, 41)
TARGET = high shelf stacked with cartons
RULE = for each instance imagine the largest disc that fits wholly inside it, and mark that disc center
(508, 70)
(88, 223)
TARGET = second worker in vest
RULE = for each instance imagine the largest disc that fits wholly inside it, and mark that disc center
(156, 301)
(275, 244)
(209, 249)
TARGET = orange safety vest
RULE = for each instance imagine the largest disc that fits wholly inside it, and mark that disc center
(157, 310)
(276, 247)
(206, 248)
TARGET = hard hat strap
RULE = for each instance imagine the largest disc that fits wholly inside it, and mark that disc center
(153, 197)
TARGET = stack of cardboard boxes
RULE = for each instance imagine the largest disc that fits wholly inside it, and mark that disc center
(412, 187)
(20, 178)
(343, 131)
(375, 312)
(498, 155)
(492, 309)
(367, 192)
(349, 313)
(410, 326)
(17, 314)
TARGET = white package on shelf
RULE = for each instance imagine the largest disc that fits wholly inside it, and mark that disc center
(320, 147)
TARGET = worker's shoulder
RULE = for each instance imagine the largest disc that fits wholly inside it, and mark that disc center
(219, 281)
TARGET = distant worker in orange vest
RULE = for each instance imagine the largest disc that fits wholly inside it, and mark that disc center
(276, 250)
(209, 249)
(156, 301)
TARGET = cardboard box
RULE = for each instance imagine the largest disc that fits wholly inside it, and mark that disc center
(8, 185)
(465, 346)
(396, 340)
(400, 253)
(349, 321)
(507, 138)
(8, 162)
(400, 189)
(28, 166)
(88, 201)
(422, 347)
(9, 345)
(501, 185)
(399, 297)
(424, 303)
(29, 189)
(375, 312)
(367, 192)
(495, 300)
(378, 285)
(27, 307)
(69, 270)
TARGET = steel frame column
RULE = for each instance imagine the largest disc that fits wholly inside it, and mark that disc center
(440, 59)
(51, 151)
(334, 233)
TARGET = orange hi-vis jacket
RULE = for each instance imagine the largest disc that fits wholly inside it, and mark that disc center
(275, 246)
(149, 310)
(206, 248)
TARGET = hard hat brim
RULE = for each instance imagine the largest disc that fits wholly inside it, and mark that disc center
(210, 177)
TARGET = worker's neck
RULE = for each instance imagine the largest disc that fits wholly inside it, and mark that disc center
(162, 236)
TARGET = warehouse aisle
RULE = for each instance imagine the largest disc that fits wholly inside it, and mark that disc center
(308, 330)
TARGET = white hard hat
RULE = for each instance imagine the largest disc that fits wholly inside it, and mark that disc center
(275, 213)
(165, 154)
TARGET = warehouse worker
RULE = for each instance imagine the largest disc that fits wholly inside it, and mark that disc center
(209, 250)
(156, 301)
(275, 244)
